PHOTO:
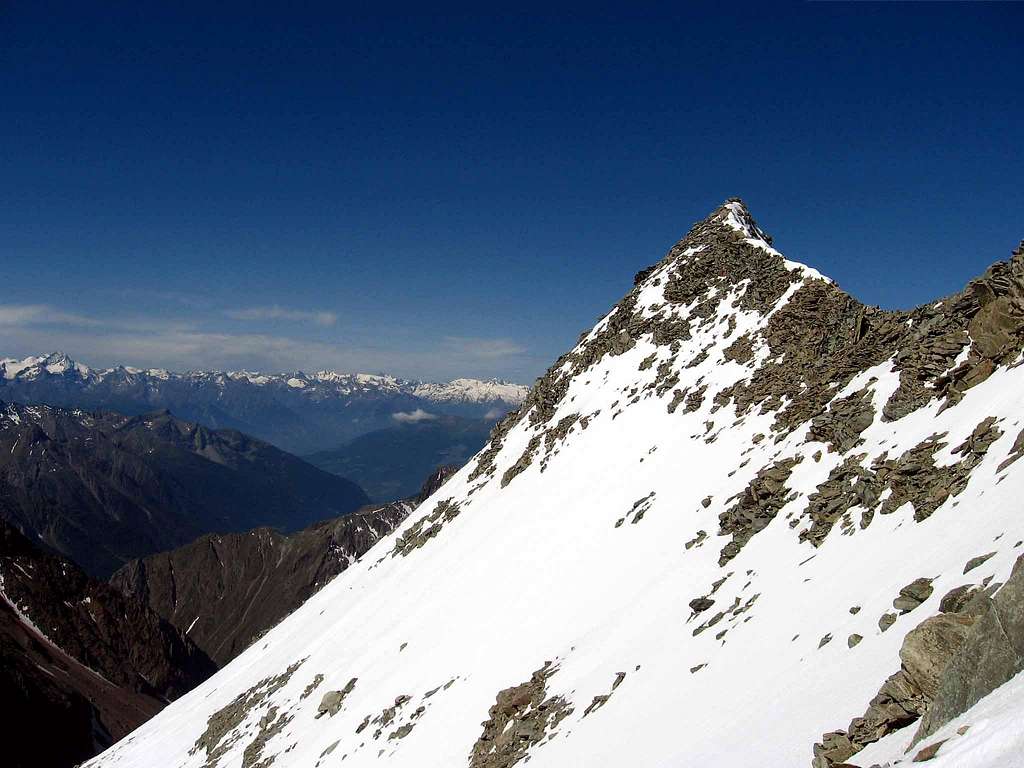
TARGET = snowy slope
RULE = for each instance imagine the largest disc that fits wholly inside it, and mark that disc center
(632, 482)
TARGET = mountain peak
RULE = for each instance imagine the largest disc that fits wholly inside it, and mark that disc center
(734, 214)
(53, 363)
(734, 438)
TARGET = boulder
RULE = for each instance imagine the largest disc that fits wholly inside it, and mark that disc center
(912, 595)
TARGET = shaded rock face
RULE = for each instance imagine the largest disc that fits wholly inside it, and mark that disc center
(60, 631)
(103, 488)
(992, 652)
(949, 663)
(255, 579)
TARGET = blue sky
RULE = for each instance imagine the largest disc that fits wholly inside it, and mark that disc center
(439, 192)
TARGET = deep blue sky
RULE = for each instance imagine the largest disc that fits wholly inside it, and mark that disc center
(438, 192)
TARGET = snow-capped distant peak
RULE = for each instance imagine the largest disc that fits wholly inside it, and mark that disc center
(472, 391)
(323, 381)
(54, 364)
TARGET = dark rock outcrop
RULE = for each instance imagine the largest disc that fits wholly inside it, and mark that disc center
(522, 717)
(756, 506)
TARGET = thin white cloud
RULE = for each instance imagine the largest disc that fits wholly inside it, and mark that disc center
(413, 417)
(483, 348)
(20, 315)
(277, 312)
(176, 343)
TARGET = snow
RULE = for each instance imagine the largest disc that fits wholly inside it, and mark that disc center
(539, 571)
(472, 390)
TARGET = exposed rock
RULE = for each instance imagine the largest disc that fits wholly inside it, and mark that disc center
(848, 485)
(602, 699)
(912, 595)
(841, 425)
(426, 528)
(521, 718)
(332, 701)
(929, 752)
(928, 648)
(949, 662)
(974, 562)
(755, 507)
(1016, 451)
(222, 727)
(269, 726)
(991, 654)
(524, 461)
(701, 604)
(911, 478)
(741, 350)
(957, 598)
(915, 478)
(697, 540)
(308, 690)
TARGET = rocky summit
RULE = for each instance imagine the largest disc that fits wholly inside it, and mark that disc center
(746, 520)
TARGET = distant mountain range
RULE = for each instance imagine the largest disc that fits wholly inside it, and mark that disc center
(298, 412)
(389, 463)
(103, 488)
